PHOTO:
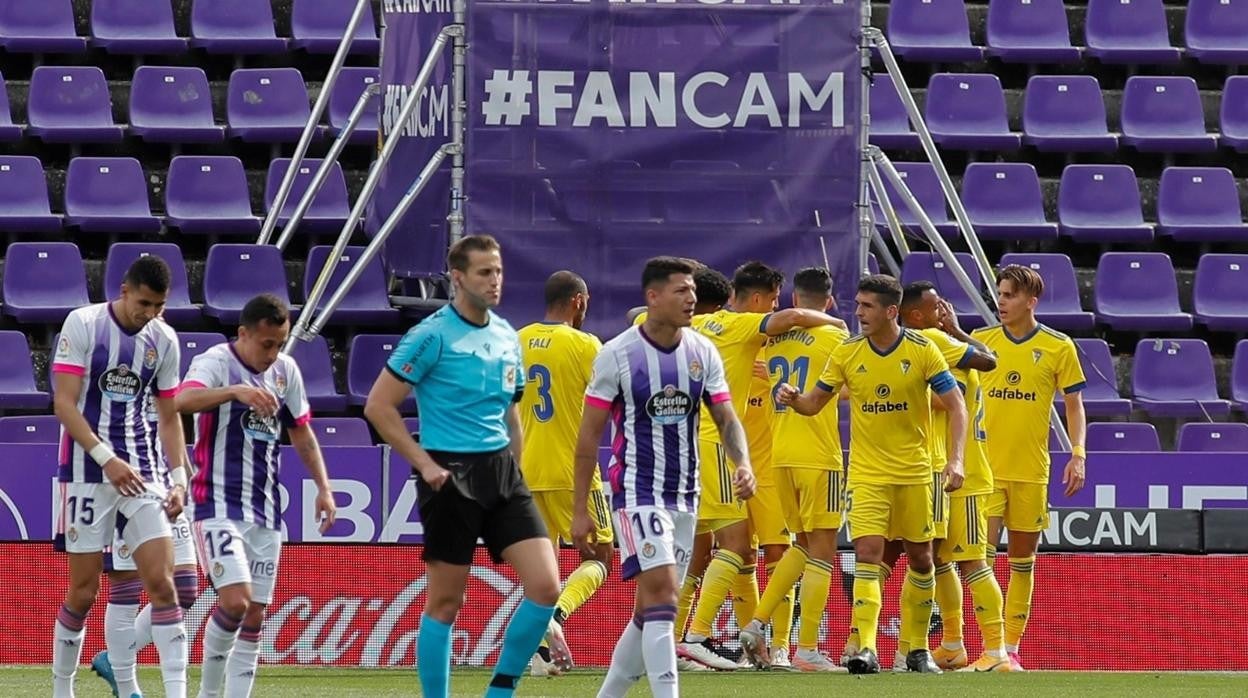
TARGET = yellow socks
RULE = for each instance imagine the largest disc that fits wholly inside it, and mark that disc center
(949, 598)
(581, 585)
(688, 590)
(917, 594)
(851, 642)
(816, 581)
(782, 616)
(1018, 599)
(867, 601)
(986, 595)
(745, 595)
(720, 576)
(782, 576)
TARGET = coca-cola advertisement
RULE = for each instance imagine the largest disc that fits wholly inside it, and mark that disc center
(359, 606)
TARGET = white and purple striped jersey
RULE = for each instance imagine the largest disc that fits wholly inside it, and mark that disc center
(654, 396)
(120, 371)
(237, 452)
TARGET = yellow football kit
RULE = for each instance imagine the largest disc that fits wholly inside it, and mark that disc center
(956, 354)
(968, 505)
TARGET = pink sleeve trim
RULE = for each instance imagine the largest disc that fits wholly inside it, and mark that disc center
(70, 369)
(171, 392)
(303, 421)
(597, 402)
(190, 385)
(720, 397)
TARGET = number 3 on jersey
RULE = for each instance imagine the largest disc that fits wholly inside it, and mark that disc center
(545, 408)
(794, 374)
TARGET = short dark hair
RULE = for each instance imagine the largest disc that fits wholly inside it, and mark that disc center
(756, 276)
(266, 308)
(882, 285)
(562, 287)
(1025, 279)
(712, 287)
(813, 281)
(457, 258)
(660, 269)
(150, 271)
(914, 291)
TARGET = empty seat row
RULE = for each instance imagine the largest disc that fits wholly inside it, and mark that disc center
(145, 27)
(174, 105)
(1063, 113)
(1095, 203)
(1194, 437)
(1036, 31)
(43, 282)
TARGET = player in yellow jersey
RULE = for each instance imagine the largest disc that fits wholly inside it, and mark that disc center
(965, 543)
(809, 480)
(739, 334)
(888, 372)
(1035, 363)
(558, 358)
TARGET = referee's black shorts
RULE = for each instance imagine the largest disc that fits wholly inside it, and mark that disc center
(485, 498)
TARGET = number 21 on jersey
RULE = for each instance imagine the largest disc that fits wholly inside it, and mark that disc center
(794, 373)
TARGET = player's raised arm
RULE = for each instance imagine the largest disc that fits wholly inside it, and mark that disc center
(981, 358)
(782, 321)
(205, 389)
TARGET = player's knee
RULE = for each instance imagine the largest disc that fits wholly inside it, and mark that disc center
(920, 561)
(544, 592)
(254, 616)
(81, 596)
(444, 607)
(234, 601)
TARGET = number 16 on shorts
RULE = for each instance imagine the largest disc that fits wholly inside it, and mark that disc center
(652, 537)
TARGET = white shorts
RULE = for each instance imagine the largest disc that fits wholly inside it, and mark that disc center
(119, 555)
(652, 537)
(86, 516)
(237, 552)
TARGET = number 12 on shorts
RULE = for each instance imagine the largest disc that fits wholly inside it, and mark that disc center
(219, 543)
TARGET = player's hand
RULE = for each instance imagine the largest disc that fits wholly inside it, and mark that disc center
(435, 476)
(582, 528)
(786, 394)
(954, 475)
(326, 509)
(1074, 476)
(743, 482)
(174, 502)
(260, 400)
(947, 316)
(760, 371)
(125, 478)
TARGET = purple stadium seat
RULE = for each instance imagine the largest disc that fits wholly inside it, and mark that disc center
(24, 206)
(39, 26)
(1123, 436)
(1199, 204)
(1217, 31)
(1066, 113)
(1164, 115)
(172, 105)
(1239, 375)
(267, 105)
(108, 195)
(1128, 31)
(928, 266)
(121, 255)
(195, 343)
(234, 274)
(1218, 297)
(329, 209)
(318, 375)
(365, 361)
(1030, 31)
(350, 85)
(1101, 397)
(921, 180)
(368, 302)
(30, 429)
(43, 281)
(1005, 203)
(317, 27)
(890, 127)
(208, 195)
(234, 27)
(931, 30)
(1174, 378)
(341, 431)
(1101, 203)
(1234, 113)
(8, 131)
(17, 375)
(966, 111)
(135, 27)
(71, 105)
(1059, 305)
(1213, 436)
(1138, 291)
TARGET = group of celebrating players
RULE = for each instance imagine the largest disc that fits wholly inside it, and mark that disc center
(724, 440)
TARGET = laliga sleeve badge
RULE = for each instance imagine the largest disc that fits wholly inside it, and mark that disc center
(509, 378)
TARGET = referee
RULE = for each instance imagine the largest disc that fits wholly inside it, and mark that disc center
(463, 364)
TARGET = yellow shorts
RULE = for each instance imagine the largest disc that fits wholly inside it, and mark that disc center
(767, 517)
(940, 506)
(719, 506)
(1023, 505)
(812, 499)
(555, 506)
(968, 530)
(896, 512)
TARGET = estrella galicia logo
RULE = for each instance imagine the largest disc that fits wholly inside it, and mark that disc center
(1013, 378)
(120, 384)
(671, 406)
(882, 391)
(258, 427)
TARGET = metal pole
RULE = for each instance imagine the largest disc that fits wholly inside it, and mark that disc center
(929, 147)
(459, 111)
(308, 331)
(885, 255)
(374, 174)
(865, 225)
(305, 139)
(890, 211)
(322, 172)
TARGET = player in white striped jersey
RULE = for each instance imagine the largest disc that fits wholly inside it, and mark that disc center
(244, 393)
(650, 381)
(109, 358)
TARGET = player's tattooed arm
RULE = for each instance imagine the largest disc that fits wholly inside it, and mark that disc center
(736, 445)
(304, 440)
(782, 321)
